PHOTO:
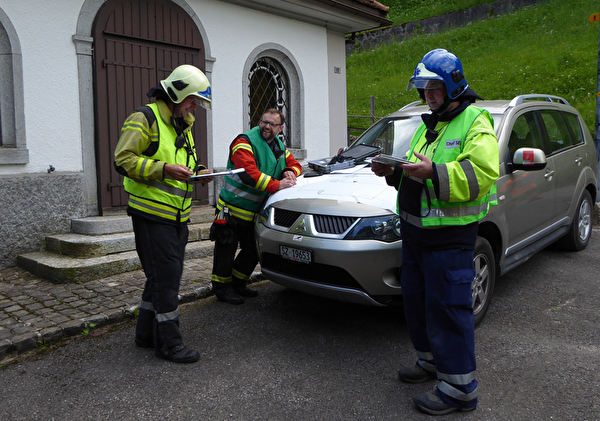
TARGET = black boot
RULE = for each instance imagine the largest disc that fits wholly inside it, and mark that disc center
(178, 354)
(240, 287)
(225, 292)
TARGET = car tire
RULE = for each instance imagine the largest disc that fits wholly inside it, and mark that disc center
(483, 284)
(580, 232)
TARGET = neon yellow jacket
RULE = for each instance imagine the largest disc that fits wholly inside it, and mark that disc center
(467, 164)
(143, 152)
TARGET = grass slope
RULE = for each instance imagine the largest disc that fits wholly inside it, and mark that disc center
(402, 11)
(550, 48)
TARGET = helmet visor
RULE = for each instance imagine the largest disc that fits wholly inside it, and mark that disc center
(425, 84)
(201, 102)
(203, 99)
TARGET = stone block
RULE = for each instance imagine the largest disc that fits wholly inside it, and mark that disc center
(51, 334)
(25, 341)
(72, 328)
(6, 348)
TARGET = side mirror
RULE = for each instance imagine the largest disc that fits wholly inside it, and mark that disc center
(527, 159)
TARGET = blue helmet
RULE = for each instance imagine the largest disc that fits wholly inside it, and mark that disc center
(442, 65)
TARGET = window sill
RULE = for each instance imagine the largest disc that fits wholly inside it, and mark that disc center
(13, 156)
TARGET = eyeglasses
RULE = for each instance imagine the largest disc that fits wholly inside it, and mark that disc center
(268, 123)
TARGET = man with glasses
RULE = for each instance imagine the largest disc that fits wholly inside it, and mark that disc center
(268, 166)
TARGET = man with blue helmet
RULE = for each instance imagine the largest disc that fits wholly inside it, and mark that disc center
(442, 195)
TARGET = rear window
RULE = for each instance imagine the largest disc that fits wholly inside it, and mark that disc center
(557, 133)
(574, 127)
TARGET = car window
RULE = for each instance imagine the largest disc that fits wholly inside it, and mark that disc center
(556, 131)
(574, 128)
(525, 133)
(393, 136)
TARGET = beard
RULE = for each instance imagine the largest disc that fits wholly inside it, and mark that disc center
(267, 135)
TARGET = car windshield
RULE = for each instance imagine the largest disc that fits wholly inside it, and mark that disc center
(392, 135)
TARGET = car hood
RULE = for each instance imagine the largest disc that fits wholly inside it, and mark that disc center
(356, 185)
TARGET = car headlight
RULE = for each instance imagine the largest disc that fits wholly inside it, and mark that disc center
(381, 228)
(263, 216)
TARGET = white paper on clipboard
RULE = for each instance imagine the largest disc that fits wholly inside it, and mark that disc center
(216, 174)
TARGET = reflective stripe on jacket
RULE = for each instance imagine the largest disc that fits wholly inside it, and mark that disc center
(467, 165)
(165, 198)
(244, 200)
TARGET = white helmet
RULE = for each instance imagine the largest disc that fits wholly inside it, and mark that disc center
(187, 80)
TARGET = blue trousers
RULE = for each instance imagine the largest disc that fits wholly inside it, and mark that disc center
(436, 286)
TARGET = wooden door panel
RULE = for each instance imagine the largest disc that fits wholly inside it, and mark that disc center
(130, 71)
(138, 43)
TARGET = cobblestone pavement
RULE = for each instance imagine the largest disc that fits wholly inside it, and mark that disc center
(35, 312)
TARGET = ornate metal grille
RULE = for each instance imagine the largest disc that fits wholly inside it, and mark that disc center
(269, 88)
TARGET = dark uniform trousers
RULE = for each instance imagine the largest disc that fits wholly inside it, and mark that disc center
(226, 264)
(436, 286)
(161, 248)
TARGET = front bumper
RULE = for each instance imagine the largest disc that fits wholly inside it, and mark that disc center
(358, 271)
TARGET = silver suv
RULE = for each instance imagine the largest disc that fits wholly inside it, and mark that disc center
(336, 234)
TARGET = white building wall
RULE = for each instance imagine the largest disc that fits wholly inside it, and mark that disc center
(54, 38)
(336, 73)
(231, 45)
(51, 89)
(50, 84)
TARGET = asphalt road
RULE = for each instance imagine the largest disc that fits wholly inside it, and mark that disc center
(289, 356)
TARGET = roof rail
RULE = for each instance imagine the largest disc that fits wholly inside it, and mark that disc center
(540, 97)
(411, 105)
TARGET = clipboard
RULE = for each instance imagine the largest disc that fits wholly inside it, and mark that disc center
(390, 160)
(216, 174)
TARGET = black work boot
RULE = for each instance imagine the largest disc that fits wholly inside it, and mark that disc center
(178, 354)
(225, 292)
(240, 287)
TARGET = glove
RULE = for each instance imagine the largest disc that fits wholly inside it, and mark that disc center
(222, 229)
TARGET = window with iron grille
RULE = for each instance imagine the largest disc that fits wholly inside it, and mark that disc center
(269, 88)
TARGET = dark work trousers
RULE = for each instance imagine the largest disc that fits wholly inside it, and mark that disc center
(436, 286)
(226, 265)
(161, 248)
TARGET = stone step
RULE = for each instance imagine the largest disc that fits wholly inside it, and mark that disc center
(113, 224)
(93, 245)
(62, 269)
(102, 246)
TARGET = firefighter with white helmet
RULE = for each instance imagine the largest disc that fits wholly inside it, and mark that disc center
(156, 154)
(442, 195)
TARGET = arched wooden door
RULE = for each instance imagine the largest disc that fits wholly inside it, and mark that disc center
(136, 44)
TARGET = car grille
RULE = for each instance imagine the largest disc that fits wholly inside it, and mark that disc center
(332, 224)
(285, 218)
(314, 272)
(324, 224)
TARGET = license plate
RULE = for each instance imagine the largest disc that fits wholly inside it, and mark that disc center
(297, 255)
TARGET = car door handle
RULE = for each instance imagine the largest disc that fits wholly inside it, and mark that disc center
(578, 160)
(549, 174)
